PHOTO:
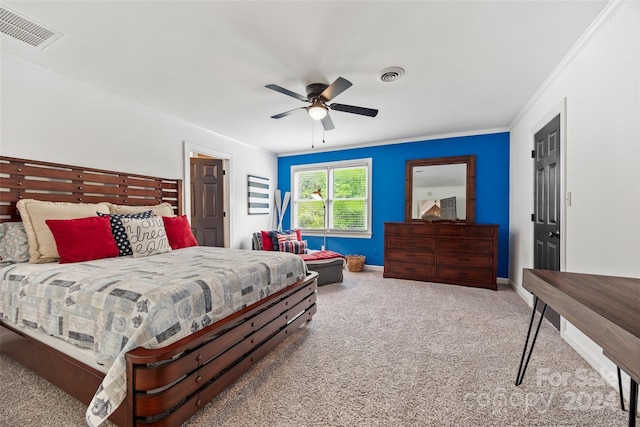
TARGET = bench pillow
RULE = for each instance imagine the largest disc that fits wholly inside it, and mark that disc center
(278, 236)
(293, 246)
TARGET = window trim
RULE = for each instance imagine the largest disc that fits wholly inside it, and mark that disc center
(328, 166)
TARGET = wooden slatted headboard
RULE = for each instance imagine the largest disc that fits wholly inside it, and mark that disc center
(30, 179)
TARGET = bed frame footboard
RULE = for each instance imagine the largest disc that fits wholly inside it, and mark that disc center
(166, 386)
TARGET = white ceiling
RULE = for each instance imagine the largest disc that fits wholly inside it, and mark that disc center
(470, 65)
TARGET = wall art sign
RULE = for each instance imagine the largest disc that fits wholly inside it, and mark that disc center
(258, 195)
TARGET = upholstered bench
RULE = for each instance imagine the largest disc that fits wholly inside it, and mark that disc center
(328, 264)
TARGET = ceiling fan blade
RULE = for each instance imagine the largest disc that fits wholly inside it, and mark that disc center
(287, 92)
(286, 113)
(370, 112)
(335, 89)
(327, 123)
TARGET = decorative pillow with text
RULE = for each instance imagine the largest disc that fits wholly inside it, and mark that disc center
(147, 236)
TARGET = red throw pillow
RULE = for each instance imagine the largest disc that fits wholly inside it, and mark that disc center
(179, 232)
(267, 243)
(83, 239)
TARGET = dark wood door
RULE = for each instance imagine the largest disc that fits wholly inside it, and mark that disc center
(546, 228)
(207, 201)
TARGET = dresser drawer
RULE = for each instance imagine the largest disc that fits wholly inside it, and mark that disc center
(400, 269)
(422, 257)
(465, 245)
(488, 232)
(398, 229)
(465, 259)
(410, 242)
(471, 275)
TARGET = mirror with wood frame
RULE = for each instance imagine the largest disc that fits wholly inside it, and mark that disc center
(441, 188)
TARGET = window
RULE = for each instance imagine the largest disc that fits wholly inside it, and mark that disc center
(345, 188)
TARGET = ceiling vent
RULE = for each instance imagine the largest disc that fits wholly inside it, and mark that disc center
(391, 74)
(26, 30)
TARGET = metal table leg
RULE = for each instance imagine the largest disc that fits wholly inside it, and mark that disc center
(633, 402)
(523, 369)
(620, 388)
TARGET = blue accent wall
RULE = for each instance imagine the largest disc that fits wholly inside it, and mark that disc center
(388, 174)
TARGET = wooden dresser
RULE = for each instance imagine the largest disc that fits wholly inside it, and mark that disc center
(455, 253)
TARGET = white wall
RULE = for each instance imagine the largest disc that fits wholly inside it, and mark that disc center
(46, 116)
(598, 92)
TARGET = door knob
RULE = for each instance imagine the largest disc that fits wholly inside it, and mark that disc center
(554, 234)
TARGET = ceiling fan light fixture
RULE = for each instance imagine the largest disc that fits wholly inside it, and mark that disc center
(317, 111)
(319, 95)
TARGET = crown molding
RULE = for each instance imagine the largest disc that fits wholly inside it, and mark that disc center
(605, 15)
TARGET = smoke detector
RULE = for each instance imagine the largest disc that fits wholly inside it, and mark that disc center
(391, 74)
(25, 29)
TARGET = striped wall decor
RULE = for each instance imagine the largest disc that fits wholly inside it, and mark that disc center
(258, 195)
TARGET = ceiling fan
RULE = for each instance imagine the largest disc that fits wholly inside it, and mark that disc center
(318, 95)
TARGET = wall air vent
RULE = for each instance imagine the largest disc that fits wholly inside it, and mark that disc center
(26, 30)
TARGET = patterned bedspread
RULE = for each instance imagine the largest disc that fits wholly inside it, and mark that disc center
(115, 305)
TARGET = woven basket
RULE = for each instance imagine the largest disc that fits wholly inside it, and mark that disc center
(355, 262)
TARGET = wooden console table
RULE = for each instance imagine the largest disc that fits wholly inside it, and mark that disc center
(605, 308)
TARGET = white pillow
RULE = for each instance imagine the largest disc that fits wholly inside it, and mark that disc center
(163, 209)
(147, 236)
(34, 213)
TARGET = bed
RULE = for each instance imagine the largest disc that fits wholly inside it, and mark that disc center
(164, 379)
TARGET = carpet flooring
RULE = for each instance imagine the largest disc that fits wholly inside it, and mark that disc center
(384, 352)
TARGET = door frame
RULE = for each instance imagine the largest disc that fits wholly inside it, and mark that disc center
(227, 162)
(558, 109)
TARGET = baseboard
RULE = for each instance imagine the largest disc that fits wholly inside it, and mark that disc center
(524, 294)
(603, 366)
(368, 267)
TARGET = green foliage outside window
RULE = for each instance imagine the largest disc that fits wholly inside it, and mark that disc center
(346, 204)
